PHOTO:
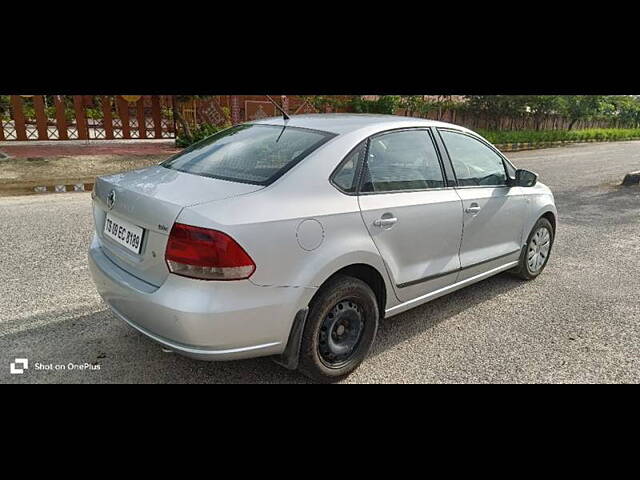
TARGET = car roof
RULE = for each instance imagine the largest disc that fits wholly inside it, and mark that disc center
(342, 123)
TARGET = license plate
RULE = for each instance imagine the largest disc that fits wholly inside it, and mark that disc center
(124, 233)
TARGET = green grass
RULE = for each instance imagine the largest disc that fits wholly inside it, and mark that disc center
(533, 136)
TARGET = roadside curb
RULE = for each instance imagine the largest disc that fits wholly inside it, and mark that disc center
(517, 147)
(64, 188)
(87, 143)
(632, 178)
(58, 187)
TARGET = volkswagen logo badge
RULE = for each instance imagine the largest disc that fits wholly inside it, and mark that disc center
(111, 199)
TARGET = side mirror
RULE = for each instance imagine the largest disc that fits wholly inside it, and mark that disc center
(525, 178)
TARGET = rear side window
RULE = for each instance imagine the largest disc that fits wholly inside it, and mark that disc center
(405, 160)
(345, 177)
(256, 154)
(475, 163)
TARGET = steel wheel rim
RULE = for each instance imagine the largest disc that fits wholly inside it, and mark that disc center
(538, 249)
(340, 333)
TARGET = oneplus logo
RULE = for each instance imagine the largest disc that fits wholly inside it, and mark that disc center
(19, 366)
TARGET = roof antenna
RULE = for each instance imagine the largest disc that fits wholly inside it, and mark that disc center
(284, 114)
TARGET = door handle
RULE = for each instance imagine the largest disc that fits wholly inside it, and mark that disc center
(385, 222)
(473, 208)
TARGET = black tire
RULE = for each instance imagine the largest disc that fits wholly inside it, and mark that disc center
(523, 270)
(345, 302)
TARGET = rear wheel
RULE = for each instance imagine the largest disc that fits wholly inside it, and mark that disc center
(535, 256)
(340, 329)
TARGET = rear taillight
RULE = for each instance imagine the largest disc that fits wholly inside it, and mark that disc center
(206, 254)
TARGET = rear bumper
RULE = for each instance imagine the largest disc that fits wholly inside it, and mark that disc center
(200, 319)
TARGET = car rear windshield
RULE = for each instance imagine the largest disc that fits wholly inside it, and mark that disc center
(249, 153)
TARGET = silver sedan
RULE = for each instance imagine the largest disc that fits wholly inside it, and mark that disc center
(295, 237)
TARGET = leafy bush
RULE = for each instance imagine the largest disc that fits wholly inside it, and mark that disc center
(94, 113)
(384, 104)
(355, 103)
(545, 136)
(4, 107)
(199, 133)
(28, 110)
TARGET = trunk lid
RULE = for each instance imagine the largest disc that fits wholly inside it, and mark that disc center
(152, 199)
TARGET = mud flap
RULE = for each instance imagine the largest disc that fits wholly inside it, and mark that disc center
(291, 355)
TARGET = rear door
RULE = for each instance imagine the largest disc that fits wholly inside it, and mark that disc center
(414, 218)
(494, 211)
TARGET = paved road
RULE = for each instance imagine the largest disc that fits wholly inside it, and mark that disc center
(578, 322)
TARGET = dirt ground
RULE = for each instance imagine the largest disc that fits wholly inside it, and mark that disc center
(18, 170)
(28, 167)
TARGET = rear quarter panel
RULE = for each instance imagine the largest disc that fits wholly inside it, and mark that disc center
(268, 228)
(267, 224)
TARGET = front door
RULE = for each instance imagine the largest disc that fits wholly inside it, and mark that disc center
(414, 220)
(493, 212)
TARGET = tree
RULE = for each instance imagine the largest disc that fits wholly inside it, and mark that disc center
(410, 104)
(541, 106)
(420, 106)
(383, 104)
(497, 106)
(178, 116)
(626, 109)
(583, 107)
(186, 129)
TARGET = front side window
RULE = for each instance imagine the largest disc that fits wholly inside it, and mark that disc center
(248, 153)
(405, 160)
(475, 163)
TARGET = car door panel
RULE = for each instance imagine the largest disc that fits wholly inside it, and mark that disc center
(492, 234)
(413, 219)
(420, 249)
(493, 211)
